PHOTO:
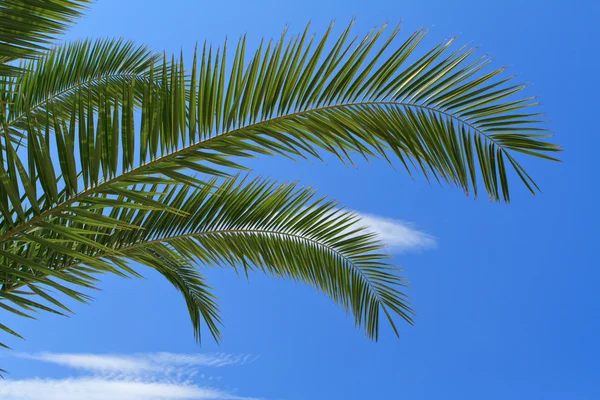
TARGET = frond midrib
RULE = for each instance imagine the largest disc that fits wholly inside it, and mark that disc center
(197, 145)
(282, 233)
(71, 88)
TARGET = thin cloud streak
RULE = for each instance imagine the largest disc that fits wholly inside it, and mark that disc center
(102, 389)
(137, 364)
(397, 235)
(150, 376)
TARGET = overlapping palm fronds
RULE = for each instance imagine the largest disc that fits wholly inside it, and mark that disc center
(277, 229)
(54, 80)
(111, 156)
(28, 26)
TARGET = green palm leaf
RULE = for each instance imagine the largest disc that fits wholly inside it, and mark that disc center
(257, 225)
(130, 160)
(53, 81)
(434, 114)
(27, 26)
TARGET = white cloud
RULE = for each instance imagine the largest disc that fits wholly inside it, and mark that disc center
(397, 235)
(138, 363)
(151, 376)
(102, 389)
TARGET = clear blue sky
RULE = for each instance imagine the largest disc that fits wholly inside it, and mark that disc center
(507, 301)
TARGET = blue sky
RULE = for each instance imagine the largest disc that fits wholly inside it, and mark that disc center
(506, 295)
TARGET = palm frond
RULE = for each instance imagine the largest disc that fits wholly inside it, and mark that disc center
(129, 158)
(54, 81)
(439, 114)
(279, 229)
(28, 26)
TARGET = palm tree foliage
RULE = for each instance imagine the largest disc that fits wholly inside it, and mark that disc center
(113, 156)
(28, 26)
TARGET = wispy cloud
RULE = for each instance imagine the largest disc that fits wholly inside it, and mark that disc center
(137, 363)
(150, 376)
(102, 389)
(396, 234)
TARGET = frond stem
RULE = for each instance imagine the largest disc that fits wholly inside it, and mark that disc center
(71, 88)
(89, 191)
(126, 249)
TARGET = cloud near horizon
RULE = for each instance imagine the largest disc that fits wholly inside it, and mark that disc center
(137, 364)
(95, 388)
(148, 376)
